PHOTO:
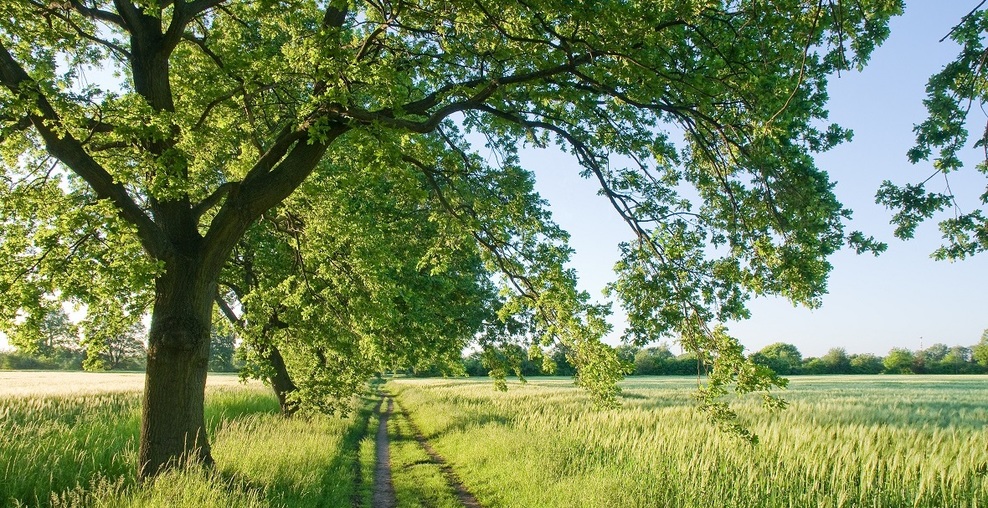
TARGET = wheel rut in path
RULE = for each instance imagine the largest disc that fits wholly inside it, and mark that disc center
(467, 499)
(384, 492)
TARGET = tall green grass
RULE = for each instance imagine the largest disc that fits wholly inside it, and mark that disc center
(81, 450)
(844, 442)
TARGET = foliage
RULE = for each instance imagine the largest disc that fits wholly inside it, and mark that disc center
(15, 360)
(866, 363)
(650, 361)
(900, 361)
(358, 273)
(781, 357)
(980, 352)
(52, 340)
(952, 94)
(836, 361)
(698, 119)
(957, 361)
(784, 359)
(222, 352)
(116, 349)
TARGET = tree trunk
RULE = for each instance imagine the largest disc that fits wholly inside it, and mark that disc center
(282, 382)
(173, 430)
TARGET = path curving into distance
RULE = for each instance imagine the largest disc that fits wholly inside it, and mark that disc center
(384, 493)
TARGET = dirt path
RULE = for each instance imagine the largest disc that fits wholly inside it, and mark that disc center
(384, 490)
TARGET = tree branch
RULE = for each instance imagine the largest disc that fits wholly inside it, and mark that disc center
(213, 199)
(91, 13)
(263, 189)
(200, 6)
(387, 116)
(522, 284)
(94, 13)
(237, 323)
(16, 125)
(72, 153)
(130, 17)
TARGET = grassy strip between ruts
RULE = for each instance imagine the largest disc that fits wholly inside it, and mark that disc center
(844, 442)
(79, 450)
(418, 480)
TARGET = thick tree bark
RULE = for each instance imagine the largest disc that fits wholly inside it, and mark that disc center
(282, 382)
(173, 430)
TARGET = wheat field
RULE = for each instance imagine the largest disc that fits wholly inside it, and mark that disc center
(905, 441)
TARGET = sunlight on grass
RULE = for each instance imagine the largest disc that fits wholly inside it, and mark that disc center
(79, 449)
(917, 441)
(845, 441)
(38, 383)
(418, 481)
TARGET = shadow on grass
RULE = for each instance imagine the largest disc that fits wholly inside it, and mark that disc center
(56, 446)
(341, 481)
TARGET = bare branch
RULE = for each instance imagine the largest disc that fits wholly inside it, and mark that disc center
(228, 312)
(213, 199)
(99, 14)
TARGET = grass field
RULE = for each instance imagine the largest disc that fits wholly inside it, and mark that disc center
(70, 440)
(903, 441)
(882, 441)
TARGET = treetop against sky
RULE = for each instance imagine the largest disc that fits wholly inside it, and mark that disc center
(902, 298)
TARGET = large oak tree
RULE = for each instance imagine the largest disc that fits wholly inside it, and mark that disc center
(697, 118)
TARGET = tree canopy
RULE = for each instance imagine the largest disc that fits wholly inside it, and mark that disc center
(698, 119)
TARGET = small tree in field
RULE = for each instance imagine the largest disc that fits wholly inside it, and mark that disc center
(957, 360)
(49, 336)
(781, 357)
(836, 361)
(698, 120)
(222, 349)
(866, 363)
(900, 361)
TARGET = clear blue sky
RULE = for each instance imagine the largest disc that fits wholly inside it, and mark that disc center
(902, 298)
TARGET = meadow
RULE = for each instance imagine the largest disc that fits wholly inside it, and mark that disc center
(70, 440)
(876, 441)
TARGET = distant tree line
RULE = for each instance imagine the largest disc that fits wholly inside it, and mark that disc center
(937, 359)
(60, 344)
(781, 357)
